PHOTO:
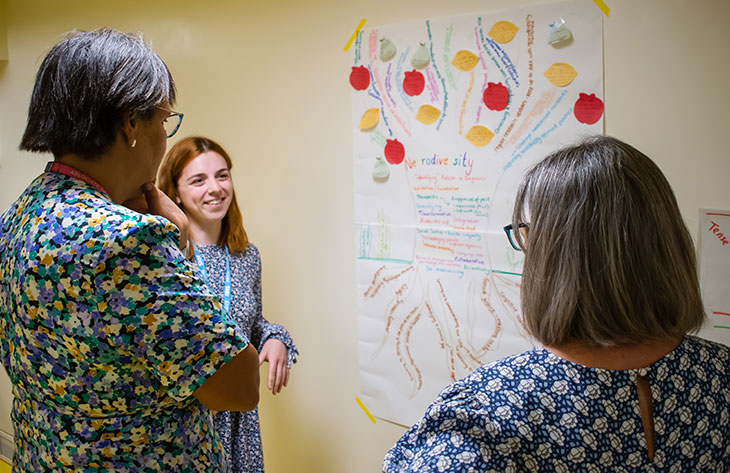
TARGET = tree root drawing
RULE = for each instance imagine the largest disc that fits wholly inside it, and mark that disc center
(414, 300)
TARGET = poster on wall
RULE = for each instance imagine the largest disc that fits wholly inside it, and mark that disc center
(714, 261)
(447, 115)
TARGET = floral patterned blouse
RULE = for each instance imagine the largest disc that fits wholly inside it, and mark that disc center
(240, 432)
(105, 332)
(535, 412)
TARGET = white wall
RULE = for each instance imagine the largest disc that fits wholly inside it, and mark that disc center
(269, 80)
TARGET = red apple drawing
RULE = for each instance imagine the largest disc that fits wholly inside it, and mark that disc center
(360, 77)
(394, 151)
(496, 96)
(413, 83)
(588, 109)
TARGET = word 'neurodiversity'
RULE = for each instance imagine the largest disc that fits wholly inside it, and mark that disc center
(436, 160)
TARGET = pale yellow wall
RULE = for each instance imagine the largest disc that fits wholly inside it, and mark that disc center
(3, 33)
(269, 80)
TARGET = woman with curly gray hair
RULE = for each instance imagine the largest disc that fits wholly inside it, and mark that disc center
(112, 343)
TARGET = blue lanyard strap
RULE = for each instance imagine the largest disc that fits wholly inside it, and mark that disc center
(227, 288)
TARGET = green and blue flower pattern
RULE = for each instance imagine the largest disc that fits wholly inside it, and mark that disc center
(105, 332)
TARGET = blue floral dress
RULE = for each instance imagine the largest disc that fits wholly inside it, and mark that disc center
(536, 412)
(240, 431)
(105, 332)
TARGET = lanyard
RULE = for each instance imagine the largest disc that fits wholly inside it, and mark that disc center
(75, 173)
(227, 288)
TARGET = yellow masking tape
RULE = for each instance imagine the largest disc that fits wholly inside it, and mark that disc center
(604, 8)
(363, 406)
(354, 35)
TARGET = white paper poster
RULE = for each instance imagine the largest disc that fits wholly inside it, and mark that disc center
(447, 115)
(714, 261)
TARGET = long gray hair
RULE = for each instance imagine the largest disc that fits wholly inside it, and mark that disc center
(86, 85)
(608, 258)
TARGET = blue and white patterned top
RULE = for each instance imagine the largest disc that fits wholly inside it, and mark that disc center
(536, 412)
(240, 431)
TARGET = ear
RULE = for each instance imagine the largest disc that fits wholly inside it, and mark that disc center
(177, 199)
(130, 127)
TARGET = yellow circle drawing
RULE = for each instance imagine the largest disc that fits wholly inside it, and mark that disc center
(465, 60)
(479, 135)
(428, 114)
(370, 118)
(503, 32)
(560, 74)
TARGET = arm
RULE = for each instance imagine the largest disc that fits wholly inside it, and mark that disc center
(216, 363)
(273, 341)
(235, 386)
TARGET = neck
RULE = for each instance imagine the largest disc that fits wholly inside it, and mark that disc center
(206, 234)
(620, 357)
(106, 170)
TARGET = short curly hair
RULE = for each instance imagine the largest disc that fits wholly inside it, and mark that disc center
(86, 85)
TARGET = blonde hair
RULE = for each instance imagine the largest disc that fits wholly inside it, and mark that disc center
(608, 258)
(233, 234)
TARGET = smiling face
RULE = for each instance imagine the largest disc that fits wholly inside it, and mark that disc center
(205, 189)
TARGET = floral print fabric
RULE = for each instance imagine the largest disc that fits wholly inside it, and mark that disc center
(240, 431)
(536, 412)
(105, 332)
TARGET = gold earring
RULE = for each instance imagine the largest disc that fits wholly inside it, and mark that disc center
(134, 143)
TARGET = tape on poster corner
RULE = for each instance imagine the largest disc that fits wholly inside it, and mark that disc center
(354, 35)
(604, 8)
(365, 409)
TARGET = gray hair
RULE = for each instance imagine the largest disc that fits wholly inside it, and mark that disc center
(86, 85)
(608, 257)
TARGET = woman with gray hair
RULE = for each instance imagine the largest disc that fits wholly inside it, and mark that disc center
(112, 343)
(610, 290)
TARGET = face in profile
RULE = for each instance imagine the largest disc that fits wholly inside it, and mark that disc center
(205, 188)
(151, 144)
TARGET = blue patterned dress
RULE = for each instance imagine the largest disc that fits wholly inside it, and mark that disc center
(105, 332)
(535, 412)
(240, 431)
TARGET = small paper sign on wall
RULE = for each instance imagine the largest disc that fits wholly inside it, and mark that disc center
(714, 260)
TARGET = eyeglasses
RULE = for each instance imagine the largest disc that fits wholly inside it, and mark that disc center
(171, 122)
(509, 230)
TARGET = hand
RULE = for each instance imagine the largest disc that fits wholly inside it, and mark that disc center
(156, 202)
(275, 352)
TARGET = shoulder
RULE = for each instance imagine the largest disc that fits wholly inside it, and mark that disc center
(109, 237)
(63, 216)
(695, 350)
(494, 383)
(252, 251)
(537, 363)
(122, 231)
(65, 203)
(693, 343)
(125, 223)
(495, 396)
(466, 420)
(250, 255)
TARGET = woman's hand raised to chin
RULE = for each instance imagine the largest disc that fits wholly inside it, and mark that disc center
(154, 201)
